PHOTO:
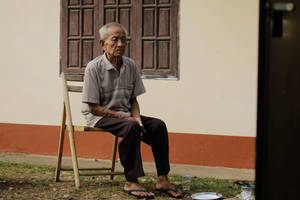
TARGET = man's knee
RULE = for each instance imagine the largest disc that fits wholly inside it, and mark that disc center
(159, 124)
(133, 127)
(132, 124)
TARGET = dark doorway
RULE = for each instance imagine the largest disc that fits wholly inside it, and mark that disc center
(278, 130)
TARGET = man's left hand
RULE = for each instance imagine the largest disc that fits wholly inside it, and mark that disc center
(138, 119)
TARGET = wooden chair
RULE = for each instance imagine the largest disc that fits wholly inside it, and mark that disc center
(67, 122)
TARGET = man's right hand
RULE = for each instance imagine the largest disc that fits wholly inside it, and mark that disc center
(139, 122)
(130, 118)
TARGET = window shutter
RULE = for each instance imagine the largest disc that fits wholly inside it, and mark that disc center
(121, 11)
(157, 38)
(79, 20)
(152, 31)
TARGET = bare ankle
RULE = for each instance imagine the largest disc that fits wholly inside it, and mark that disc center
(162, 178)
(131, 182)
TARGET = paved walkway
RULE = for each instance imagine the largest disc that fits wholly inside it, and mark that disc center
(193, 170)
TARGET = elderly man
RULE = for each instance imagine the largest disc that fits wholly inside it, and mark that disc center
(111, 85)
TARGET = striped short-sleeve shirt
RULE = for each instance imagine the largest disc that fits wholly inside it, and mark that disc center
(106, 86)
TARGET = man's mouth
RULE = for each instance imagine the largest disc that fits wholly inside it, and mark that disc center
(120, 50)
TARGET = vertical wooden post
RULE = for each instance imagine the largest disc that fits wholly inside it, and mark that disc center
(71, 131)
(61, 142)
(113, 159)
(74, 155)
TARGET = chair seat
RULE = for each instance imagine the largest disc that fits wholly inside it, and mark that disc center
(87, 128)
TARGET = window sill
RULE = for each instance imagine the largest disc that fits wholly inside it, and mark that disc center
(160, 77)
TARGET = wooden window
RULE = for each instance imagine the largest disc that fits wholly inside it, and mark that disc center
(151, 24)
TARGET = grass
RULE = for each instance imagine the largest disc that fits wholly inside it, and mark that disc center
(27, 181)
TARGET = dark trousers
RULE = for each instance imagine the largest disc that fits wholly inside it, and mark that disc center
(129, 147)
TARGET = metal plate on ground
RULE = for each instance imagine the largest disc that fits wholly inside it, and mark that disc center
(206, 196)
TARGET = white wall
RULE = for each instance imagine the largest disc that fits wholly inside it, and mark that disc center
(216, 93)
(30, 87)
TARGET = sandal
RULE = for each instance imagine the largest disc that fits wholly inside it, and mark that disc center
(167, 191)
(130, 192)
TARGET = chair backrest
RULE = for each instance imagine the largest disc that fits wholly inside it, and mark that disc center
(73, 78)
(67, 79)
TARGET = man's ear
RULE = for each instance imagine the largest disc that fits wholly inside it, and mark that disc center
(102, 44)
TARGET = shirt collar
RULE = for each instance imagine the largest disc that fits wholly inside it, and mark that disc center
(108, 65)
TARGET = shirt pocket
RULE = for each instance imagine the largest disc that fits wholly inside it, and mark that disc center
(129, 91)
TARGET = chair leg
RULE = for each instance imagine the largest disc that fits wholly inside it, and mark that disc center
(113, 159)
(61, 144)
(74, 156)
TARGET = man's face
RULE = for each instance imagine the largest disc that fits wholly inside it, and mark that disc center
(115, 42)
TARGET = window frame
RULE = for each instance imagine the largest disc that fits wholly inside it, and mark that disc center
(136, 38)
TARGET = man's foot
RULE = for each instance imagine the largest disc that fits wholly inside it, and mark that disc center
(163, 185)
(135, 189)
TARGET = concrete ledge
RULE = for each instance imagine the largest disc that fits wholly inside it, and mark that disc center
(193, 170)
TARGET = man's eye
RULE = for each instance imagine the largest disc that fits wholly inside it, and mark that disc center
(114, 39)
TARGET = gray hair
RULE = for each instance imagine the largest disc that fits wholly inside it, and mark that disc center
(103, 29)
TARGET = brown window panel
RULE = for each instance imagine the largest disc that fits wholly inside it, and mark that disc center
(152, 26)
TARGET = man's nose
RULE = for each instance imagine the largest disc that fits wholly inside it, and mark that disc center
(121, 42)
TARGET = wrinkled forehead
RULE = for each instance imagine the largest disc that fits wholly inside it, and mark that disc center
(115, 31)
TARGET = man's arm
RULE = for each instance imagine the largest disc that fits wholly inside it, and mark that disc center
(135, 108)
(104, 112)
(135, 112)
